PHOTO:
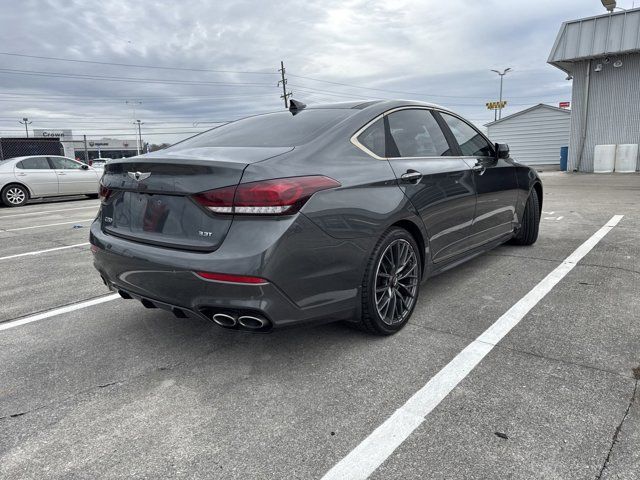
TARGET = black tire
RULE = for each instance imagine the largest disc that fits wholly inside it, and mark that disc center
(15, 195)
(93, 196)
(404, 284)
(527, 234)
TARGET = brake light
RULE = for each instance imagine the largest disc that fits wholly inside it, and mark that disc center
(280, 196)
(227, 277)
(104, 193)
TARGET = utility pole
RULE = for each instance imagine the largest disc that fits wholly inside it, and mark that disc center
(284, 95)
(139, 139)
(502, 74)
(25, 121)
(86, 150)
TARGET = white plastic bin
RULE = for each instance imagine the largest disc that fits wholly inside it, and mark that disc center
(604, 158)
(626, 157)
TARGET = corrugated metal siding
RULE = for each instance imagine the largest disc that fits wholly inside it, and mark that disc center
(614, 33)
(534, 137)
(614, 107)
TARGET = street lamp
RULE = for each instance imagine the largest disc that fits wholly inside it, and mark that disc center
(132, 104)
(139, 142)
(25, 121)
(502, 74)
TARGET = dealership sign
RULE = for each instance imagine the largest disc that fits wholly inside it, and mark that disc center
(564, 104)
(61, 134)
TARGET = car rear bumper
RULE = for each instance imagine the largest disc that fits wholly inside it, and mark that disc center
(308, 276)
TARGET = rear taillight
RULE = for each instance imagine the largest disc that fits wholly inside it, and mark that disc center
(281, 196)
(104, 193)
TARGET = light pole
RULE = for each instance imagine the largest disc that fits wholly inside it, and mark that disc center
(139, 140)
(133, 104)
(25, 121)
(502, 74)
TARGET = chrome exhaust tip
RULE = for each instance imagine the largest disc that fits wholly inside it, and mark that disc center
(252, 323)
(224, 320)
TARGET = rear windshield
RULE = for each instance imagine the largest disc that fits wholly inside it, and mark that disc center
(280, 129)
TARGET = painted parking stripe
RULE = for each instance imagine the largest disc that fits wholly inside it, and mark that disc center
(38, 252)
(43, 212)
(57, 311)
(48, 225)
(363, 460)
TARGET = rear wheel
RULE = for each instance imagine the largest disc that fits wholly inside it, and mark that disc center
(14, 195)
(528, 232)
(391, 283)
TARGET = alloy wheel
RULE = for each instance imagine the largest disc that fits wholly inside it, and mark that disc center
(396, 282)
(15, 196)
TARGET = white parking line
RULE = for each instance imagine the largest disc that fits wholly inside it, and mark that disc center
(38, 252)
(363, 460)
(15, 215)
(57, 311)
(47, 225)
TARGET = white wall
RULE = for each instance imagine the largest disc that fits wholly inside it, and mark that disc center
(534, 137)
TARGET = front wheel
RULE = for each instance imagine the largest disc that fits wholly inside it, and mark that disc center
(528, 232)
(391, 283)
(15, 195)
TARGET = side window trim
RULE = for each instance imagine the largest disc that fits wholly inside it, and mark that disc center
(390, 146)
(390, 143)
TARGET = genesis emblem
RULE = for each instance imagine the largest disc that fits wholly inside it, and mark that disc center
(138, 176)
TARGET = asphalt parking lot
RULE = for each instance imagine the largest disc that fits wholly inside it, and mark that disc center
(116, 390)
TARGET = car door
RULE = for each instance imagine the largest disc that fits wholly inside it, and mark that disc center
(495, 181)
(438, 183)
(37, 175)
(74, 177)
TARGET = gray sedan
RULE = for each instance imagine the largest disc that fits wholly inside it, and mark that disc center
(22, 178)
(332, 212)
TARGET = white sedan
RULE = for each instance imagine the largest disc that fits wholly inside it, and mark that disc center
(22, 178)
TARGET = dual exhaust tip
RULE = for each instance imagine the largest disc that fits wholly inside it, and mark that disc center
(245, 322)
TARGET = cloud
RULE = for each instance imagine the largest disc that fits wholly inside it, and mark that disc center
(428, 50)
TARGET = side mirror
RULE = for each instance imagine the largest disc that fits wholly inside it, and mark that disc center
(85, 167)
(502, 150)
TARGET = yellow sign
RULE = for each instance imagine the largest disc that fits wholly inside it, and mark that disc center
(496, 105)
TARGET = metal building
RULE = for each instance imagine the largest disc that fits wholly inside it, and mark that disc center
(602, 54)
(534, 135)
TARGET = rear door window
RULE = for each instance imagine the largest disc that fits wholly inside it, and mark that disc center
(472, 143)
(64, 164)
(416, 133)
(36, 163)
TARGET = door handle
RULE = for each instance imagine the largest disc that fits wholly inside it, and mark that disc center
(21, 174)
(411, 176)
(61, 173)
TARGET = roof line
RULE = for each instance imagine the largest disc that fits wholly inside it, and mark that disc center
(540, 105)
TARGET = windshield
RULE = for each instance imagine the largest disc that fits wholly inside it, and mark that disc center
(280, 129)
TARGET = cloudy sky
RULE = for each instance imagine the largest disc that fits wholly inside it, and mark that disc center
(215, 61)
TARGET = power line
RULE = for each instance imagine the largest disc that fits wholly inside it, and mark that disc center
(126, 134)
(182, 69)
(422, 94)
(109, 78)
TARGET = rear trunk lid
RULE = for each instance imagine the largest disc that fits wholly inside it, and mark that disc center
(151, 200)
